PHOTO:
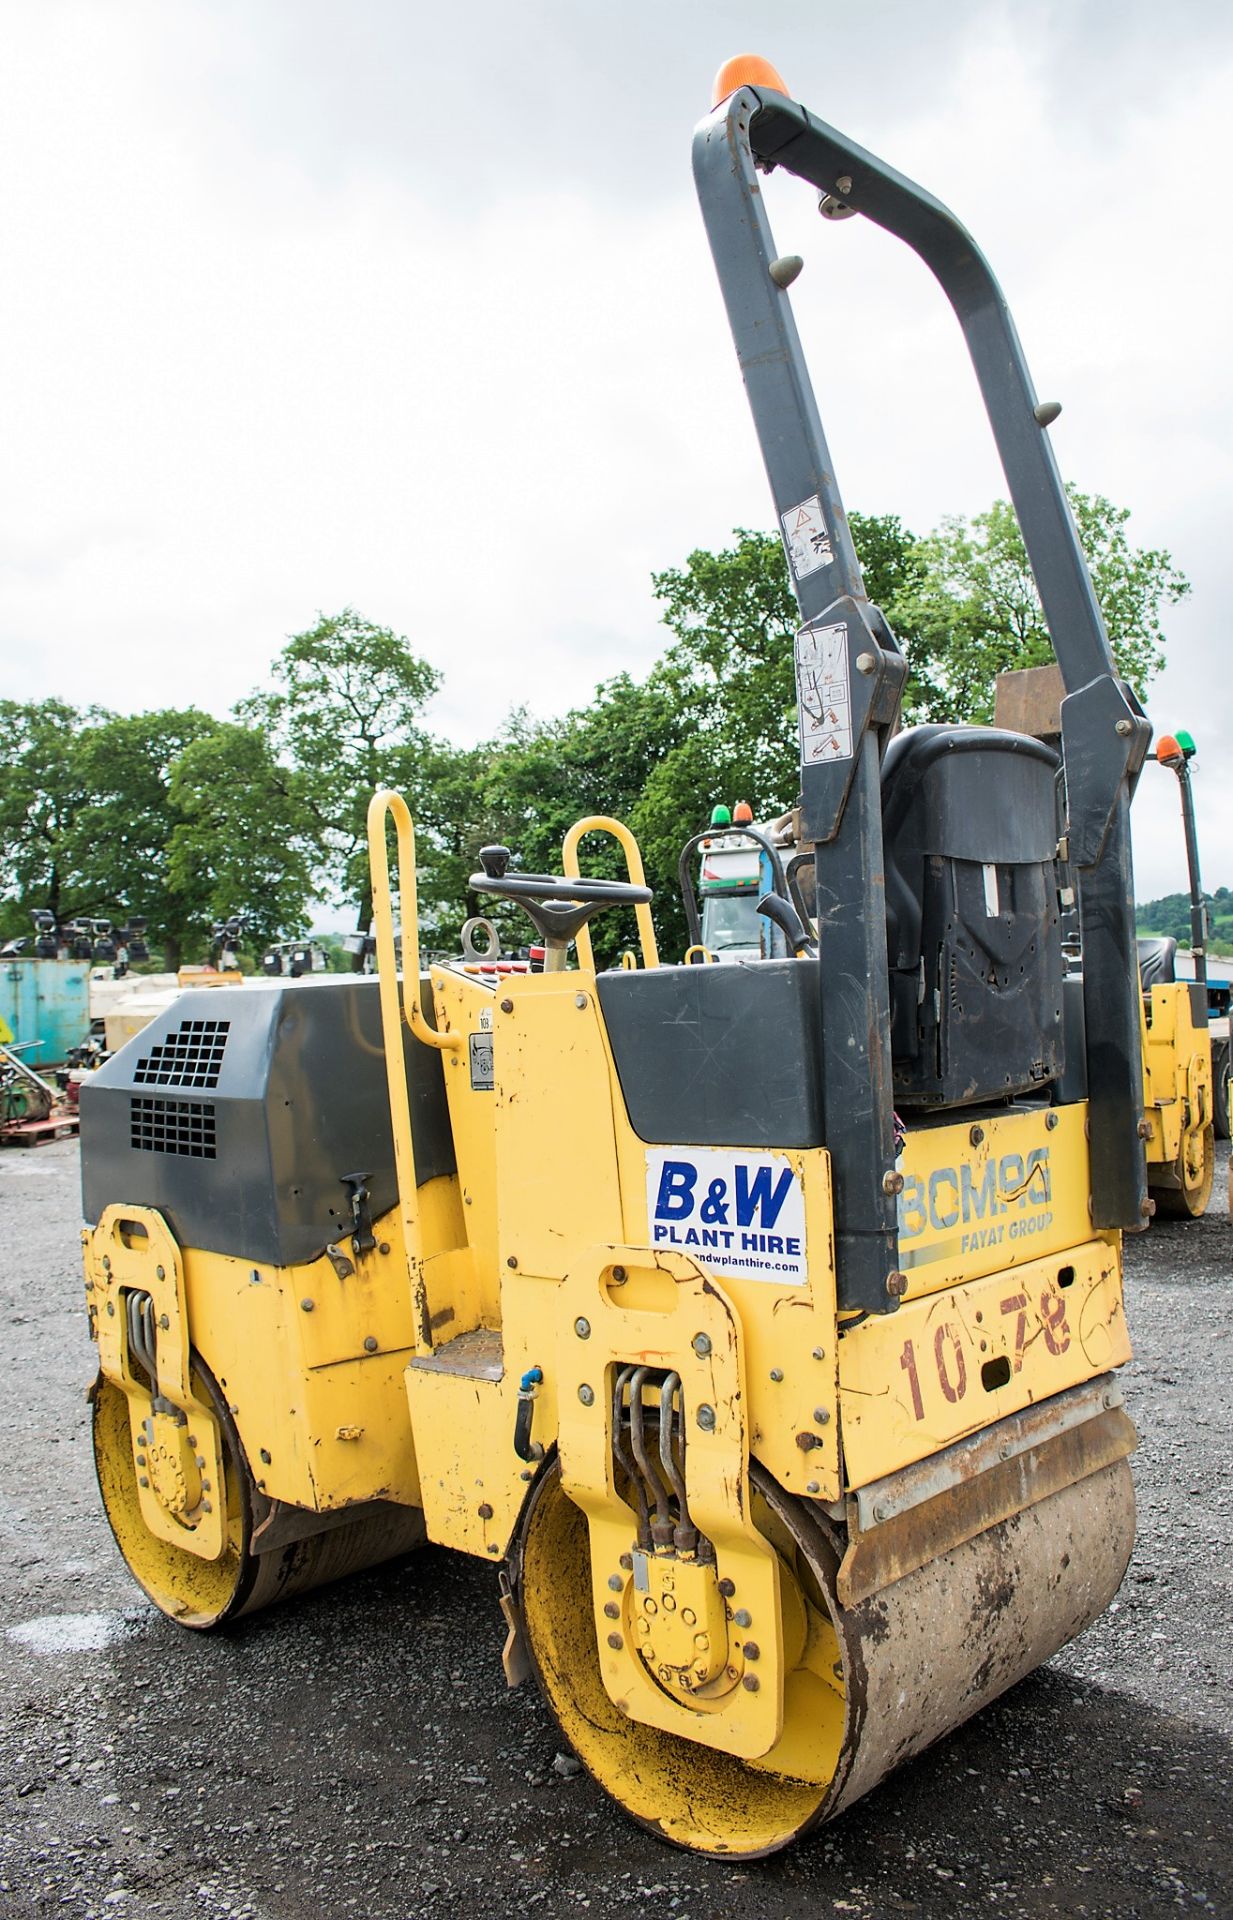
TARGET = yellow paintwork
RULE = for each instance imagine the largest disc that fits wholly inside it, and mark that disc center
(175, 1439)
(972, 1205)
(675, 1304)
(911, 1382)
(1177, 1076)
(399, 1380)
(604, 823)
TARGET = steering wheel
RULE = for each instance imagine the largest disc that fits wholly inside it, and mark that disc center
(556, 905)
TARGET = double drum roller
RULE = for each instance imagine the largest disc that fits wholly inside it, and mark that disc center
(760, 1323)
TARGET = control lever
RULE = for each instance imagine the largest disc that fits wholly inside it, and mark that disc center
(363, 1239)
(788, 920)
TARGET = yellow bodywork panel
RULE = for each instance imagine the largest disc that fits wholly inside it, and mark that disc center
(1177, 1074)
(557, 1185)
(788, 1326)
(310, 1362)
(948, 1363)
(628, 1304)
(981, 1198)
(177, 1447)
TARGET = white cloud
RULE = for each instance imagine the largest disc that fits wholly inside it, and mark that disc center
(310, 305)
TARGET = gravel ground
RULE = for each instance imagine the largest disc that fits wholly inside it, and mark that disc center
(357, 1752)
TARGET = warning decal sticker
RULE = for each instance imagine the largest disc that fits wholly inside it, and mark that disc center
(809, 545)
(739, 1213)
(824, 694)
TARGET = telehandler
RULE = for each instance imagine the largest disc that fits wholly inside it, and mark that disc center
(598, 1277)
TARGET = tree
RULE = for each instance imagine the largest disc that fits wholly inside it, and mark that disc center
(122, 834)
(973, 611)
(730, 679)
(244, 839)
(345, 713)
(86, 814)
(42, 790)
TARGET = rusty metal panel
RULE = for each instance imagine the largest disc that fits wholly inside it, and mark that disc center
(907, 1541)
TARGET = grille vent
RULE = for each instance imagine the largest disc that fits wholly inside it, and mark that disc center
(190, 1056)
(173, 1126)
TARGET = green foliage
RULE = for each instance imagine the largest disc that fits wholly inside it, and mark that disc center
(345, 712)
(1170, 917)
(187, 818)
(86, 814)
(244, 839)
(973, 612)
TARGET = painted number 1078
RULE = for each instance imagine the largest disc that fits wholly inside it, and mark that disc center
(949, 1357)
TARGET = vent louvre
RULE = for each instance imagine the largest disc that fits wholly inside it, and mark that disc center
(172, 1126)
(190, 1056)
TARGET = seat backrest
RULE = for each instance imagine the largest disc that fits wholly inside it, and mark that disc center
(970, 835)
(1157, 961)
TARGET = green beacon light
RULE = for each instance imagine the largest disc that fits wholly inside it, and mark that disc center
(721, 816)
(1186, 742)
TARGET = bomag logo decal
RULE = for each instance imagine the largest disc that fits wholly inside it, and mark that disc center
(1006, 1199)
(740, 1214)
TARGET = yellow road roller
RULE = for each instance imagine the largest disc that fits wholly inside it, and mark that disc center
(759, 1324)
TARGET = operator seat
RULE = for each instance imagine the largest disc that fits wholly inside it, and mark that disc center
(970, 839)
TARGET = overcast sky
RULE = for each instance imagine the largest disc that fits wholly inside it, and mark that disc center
(308, 304)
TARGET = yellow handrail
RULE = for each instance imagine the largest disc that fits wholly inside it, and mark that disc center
(408, 907)
(392, 1016)
(604, 823)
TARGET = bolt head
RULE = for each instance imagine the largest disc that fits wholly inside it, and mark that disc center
(370, 1344)
(1123, 727)
(306, 1306)
(822, 1415)
(582, 1327)
(615, 1582)
(701, 1344)
(865, 663)
(611, 1610)
(580, 1000)
(161, 1272)
(752, 1650)
(776, 1374)
(512, 1261)
(507, 1006)
(896, 1285)
(880, 1512)
(743, 1617)
(706, 1418)
(751, 1683)
(976, 1135)
(1051, 1120)
(615, 1642)
(819, 1353)
(586, 1395)
(727, 1588)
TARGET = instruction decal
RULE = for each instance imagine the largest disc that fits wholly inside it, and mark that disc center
(479, 1048)
(824, 694)
(809, 544)
(741, 1214)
